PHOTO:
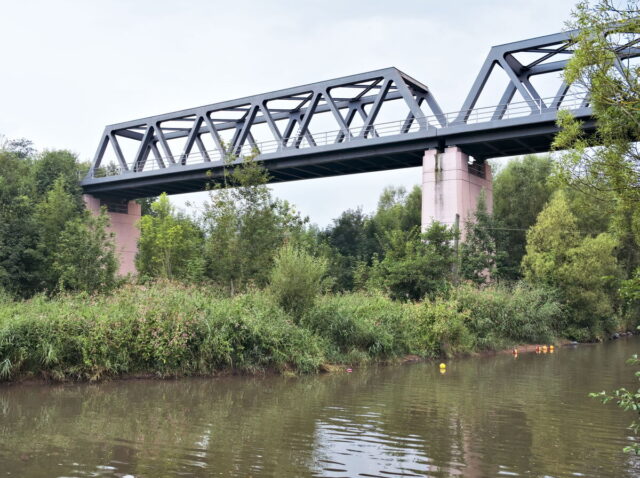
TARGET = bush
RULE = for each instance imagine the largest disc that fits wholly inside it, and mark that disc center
(361, 323)
(164, 329)
(500, 316)
(296, 279)
(441, 328)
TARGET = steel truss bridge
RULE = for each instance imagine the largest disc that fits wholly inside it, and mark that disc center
(338, 127)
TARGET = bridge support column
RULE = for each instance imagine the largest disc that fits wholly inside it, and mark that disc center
(451, 187)
(123, 216)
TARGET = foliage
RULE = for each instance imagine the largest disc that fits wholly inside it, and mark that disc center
(398, 210)
(351, 241)
(244, 227)
(479, 254)
(61, 165)
(607, 163)
(170, 244)
(626, 400)
(85, 258)
(520, 192)
(40, 208)
(501, 315)
(164, 329)
(441, 328)
(414, 264)
(583, 269)
(296, 280)
(359, 327)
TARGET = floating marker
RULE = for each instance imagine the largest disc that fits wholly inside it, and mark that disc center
(349, 370)
(443, 366)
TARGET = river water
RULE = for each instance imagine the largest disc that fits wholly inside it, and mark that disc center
(485, 417)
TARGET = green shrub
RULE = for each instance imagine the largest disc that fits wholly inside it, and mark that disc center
(164, 329)
(361, 322)
(501, 316)
(440, 328)
(296, 279)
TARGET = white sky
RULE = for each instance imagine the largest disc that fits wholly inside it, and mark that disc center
(71, 67)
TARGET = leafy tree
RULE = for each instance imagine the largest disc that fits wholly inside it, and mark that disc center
(414, 264)
(606, 163)
(21, 148)
(356, 238)
(351, 240)
(520, 192)
(244, 227)
(39, 198)
(52, 216)
(584, 270)
(19, 257)
(60, 165)
(145, 205)
(85, 258)
(170, 244)
(479, 254)
(399, 210)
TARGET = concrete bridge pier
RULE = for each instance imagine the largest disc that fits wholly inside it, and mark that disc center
(451, 187)
(123, 216)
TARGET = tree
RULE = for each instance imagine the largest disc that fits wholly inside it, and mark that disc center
(583, 269)
(170, 244)
(414, 264)
(399, 210)
(85, 259)
(59, 165)
(52, 216)
(19, 257)
(606, 163)
(244, 227)
(351, 240)
(520, 191)
(479, 254)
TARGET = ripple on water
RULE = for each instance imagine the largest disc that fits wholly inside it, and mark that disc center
(489, 416)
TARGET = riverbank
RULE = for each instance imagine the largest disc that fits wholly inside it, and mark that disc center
(169, 330)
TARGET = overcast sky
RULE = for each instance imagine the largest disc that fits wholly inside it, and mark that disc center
(71, 67)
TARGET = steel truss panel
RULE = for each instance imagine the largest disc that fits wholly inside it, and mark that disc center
(295, 151)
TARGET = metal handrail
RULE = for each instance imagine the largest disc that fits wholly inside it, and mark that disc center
(389, 128)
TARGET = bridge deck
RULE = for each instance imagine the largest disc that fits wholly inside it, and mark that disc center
(352, 114)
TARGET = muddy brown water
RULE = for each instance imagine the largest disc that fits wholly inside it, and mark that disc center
(485, 417)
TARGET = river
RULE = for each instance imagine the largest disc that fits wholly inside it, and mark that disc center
(485, 417)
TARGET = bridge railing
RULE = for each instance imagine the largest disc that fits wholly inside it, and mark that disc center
(494, 113)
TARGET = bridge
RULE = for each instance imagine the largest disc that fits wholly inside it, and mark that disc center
(373, 121)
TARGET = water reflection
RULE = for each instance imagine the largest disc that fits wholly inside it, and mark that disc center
(492, 416)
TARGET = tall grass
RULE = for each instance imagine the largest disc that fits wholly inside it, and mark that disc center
(166, 329)
(503, 315)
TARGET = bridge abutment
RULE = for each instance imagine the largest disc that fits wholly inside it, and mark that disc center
(123, 216)
(451, 187)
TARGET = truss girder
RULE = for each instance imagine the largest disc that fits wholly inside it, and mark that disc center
(174, 142)
(297, 107)
(555, 51)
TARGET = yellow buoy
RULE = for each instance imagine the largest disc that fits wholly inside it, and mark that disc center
(443, 366)
(551, 347)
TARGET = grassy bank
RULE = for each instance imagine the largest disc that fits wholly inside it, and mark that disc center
(168, 330)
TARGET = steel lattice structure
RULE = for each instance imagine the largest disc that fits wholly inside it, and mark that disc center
(183, 151)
